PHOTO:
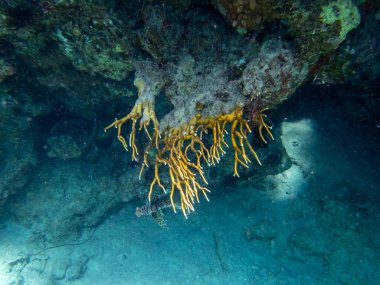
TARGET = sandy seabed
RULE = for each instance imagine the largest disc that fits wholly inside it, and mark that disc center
(316, 223)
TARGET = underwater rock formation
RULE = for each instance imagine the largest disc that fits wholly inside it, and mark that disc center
(160, 34)
(248, 14)
(356, 61)
(63, 147)
(5, 70)
(273, 75)
(206, 72)
(318, 27)
(18, 157)
(268, 79)
(92, 39)
(85, 205)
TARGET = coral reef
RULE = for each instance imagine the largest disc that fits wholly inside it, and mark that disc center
(81, 39)
(160, 35)
(148, 82)
(268, 78)
(184, 151)
(317, 26)
(200, 84)
(356, 61)
(247, 14)
(30, 34)
(319, 29)
(343, 12)
(274, 74)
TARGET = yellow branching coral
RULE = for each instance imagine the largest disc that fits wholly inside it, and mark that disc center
(184, 152)
(143, 110)
(260, 122)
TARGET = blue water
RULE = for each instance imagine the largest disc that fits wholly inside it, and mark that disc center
(316, 223)
(73, 210)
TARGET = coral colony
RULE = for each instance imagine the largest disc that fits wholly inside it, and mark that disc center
(182, 149)
(240, 86)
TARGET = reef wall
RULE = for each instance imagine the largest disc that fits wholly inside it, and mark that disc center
(185, 79)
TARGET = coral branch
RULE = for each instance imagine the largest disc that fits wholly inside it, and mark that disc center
(183, 151)
(143, 110)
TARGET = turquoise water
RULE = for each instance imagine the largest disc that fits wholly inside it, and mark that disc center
(74, 206)
(315, 223)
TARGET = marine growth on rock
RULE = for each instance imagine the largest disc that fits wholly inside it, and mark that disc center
(205, 73)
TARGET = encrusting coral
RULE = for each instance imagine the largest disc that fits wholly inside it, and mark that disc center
(184, 151)
(246, 14)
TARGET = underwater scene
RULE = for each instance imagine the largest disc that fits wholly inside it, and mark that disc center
(189, 142)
